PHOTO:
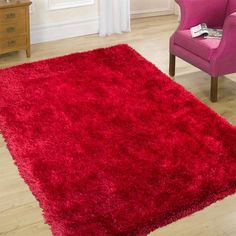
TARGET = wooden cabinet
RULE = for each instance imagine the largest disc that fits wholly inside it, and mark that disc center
(14, 26)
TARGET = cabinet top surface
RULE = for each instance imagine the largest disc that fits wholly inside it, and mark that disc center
(14, 3)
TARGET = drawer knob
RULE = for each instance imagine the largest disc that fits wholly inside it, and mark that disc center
(11, 15)
(10, 29)
(11, 42)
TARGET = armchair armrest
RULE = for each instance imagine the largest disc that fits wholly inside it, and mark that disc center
(227, 48)
(194, 12)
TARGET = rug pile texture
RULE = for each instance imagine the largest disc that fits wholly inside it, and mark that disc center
(109, 145)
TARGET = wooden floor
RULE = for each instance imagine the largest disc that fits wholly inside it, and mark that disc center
(20, 214)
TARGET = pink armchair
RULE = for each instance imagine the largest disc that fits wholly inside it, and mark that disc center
(214, 56)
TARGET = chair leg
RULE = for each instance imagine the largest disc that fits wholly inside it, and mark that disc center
(214, 89)
(172, 65)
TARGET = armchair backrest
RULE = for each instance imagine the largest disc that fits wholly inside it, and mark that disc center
(231, 7)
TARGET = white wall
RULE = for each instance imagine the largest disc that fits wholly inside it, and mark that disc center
(140, 8)
(57, 19)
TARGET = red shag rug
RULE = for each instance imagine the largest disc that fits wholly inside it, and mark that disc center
(109, 145)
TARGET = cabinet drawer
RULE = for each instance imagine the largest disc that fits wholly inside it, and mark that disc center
(15, 14)
(13, 29)
(13, 43)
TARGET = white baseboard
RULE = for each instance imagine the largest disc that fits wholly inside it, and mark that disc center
(152, 12)
(62, 30)
(45, 33)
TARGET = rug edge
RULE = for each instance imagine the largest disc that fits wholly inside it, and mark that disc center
(148, 228)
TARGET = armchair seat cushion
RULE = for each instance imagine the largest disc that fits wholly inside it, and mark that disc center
(200, 46)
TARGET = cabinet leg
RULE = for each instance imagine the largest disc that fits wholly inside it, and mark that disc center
(28, 52)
